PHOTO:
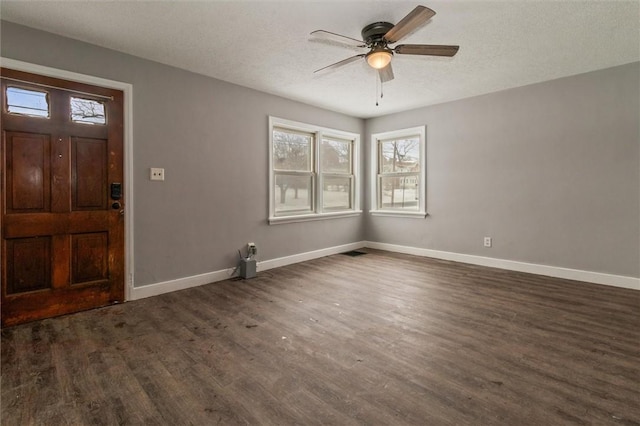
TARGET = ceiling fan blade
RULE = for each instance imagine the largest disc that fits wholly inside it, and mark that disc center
(341, 63)
(426, 49)
(416, 18)
(386, 73)
(328, 35)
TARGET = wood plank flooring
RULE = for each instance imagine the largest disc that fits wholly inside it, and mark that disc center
(378, 339)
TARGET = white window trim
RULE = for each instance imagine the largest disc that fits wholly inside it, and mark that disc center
(319, 132)
(373, 182)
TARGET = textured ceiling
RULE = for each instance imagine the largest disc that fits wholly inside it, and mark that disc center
(266, 44)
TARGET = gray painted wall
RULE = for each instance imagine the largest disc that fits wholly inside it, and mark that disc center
(212, 139)
(551, 171)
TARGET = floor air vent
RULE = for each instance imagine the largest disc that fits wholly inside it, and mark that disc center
(353, 253)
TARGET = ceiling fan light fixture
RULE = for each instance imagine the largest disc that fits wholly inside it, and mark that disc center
(378, 59)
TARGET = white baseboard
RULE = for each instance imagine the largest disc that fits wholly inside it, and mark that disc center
(551, 271)
(310, 255)
(179, 284)
(211, 277)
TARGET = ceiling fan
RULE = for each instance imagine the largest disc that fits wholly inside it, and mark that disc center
(378, 36)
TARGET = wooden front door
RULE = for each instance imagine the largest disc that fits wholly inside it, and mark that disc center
(62, 197)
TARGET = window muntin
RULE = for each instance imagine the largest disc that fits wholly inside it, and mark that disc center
(312, 172)
(87, 111)
(398, 172)
(33, 103)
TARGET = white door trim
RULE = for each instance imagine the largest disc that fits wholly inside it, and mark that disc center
(128, 145)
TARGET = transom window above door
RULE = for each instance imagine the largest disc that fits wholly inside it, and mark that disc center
(35, 103)
(87, 111)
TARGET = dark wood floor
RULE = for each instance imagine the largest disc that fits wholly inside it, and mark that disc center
(379, 339)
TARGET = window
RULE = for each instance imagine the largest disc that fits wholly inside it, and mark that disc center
(398, 173)
(337, 174)
(313, 172)
(27, 102)
(293, 171)
(87, 111)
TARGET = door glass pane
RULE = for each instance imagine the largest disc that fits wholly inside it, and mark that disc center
(402, 155)
(292, 151)
(336, 156)
(400, 192)
(336, 193)
(87, 111)
(292, 193)
(27, 102)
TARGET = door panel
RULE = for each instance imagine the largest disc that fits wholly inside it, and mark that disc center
(89, 174)
(62, 235)
(28, 264)
(89, 254)
(27, 172)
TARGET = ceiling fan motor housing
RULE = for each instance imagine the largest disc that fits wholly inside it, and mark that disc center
(373, 34)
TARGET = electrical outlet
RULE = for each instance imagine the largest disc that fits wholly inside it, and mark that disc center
(156, 173)
(252, 249)
(487, 241)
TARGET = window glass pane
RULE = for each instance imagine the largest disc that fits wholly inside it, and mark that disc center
(292, 193)
(27, 102)
(401, 155)
(87, 111)
(292, 151)
(399, 192)
(336, 156)
(336, 193)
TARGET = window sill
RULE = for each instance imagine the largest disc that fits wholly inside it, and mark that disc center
(314, 216)
(395, 213)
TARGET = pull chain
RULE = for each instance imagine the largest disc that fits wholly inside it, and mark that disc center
(378, 79)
